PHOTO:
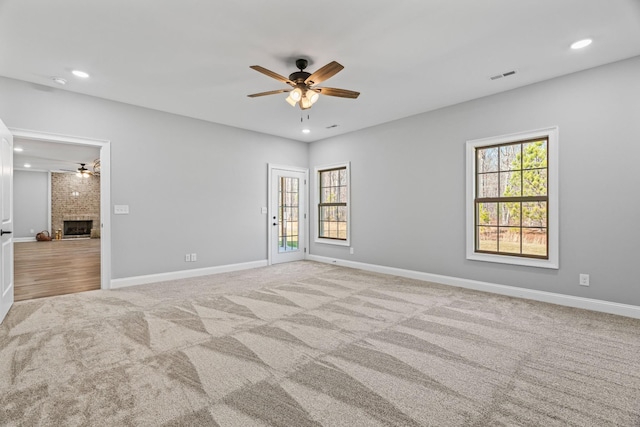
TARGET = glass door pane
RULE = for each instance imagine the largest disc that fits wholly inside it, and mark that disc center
(288, 209)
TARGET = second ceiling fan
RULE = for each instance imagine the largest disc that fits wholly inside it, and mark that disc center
(303, 84)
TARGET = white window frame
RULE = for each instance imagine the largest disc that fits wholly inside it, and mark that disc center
(552, 192)
(316, 194)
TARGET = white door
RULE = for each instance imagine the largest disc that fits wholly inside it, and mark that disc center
(6, 225)
(287, 218)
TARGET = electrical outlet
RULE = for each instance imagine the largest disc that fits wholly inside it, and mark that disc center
(194, 257)
(187, 258)
(351, 251)
(584, 280)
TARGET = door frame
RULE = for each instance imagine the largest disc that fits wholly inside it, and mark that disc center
(271, 167)
(105, 189)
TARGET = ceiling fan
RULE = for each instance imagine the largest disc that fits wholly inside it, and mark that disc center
(304, 90)
(83, 172)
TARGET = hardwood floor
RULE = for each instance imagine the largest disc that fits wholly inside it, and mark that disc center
(58, 267)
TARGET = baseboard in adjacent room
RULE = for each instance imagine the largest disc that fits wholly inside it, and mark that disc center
(184, 274)
(550, 297)
(24, 239)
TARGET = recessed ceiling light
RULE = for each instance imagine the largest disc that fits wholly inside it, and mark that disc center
(27, 165)
(60, 80)
(306, 130)
(18, 149)
(581, 43)
(81, 74)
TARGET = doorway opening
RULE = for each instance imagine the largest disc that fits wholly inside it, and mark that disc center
(83, 246)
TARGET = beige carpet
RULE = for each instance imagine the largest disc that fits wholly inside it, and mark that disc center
(308, 344)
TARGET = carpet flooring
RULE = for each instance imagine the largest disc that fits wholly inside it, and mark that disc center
(309, 344)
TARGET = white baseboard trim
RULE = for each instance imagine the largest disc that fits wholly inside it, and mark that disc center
(24, 239)
(184, 274)
(512, 291)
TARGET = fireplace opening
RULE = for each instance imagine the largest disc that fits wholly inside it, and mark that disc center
(80, 228)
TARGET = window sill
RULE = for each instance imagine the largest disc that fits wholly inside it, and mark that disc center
(514, 260)
(332, 242)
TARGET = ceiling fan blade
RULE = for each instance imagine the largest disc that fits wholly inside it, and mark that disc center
(342, 93)
(329, 70)
(272, 74)
(271, 92)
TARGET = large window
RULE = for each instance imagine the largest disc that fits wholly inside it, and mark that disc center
(333, 204)
(512, 208)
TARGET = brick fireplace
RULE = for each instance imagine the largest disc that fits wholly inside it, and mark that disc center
(75, 205)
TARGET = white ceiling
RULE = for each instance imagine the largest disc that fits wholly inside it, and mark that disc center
(56, 157)
(192, 57)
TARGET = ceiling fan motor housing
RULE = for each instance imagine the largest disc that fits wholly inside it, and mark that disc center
(299, 77)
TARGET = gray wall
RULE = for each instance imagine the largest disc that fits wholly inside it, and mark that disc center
(191, 185)
(195, 186)
(30, 203)
(408, 184)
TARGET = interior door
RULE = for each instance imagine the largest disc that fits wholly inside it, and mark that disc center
(288, 215)
(6, 223)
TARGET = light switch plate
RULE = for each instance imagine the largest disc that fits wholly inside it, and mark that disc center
(121, 209)
(263, 210)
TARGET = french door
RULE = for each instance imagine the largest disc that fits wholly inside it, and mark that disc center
(287, 214)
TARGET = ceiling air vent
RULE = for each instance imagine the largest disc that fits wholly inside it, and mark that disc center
(499, 76)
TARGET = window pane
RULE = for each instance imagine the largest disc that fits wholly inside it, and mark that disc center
(487, 213)
(487, 239)
(510, 157)
(325, 179)
(509, 240)
(343, 195)
(342, 230)
(335, 178)
(534, 155)
(534, 241)
(322, 229)
(534, 214)
(324, 213)
(487, 185)
(535, 182)
(487, 159)
(324, 195)
(343, 177)
(510, 213)
(510, 184)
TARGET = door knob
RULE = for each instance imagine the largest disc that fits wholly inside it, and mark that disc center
(2, 232)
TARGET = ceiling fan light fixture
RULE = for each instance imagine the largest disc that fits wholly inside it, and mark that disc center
(312, 96)
(296, 94)
(305, 103)
(291, 101)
